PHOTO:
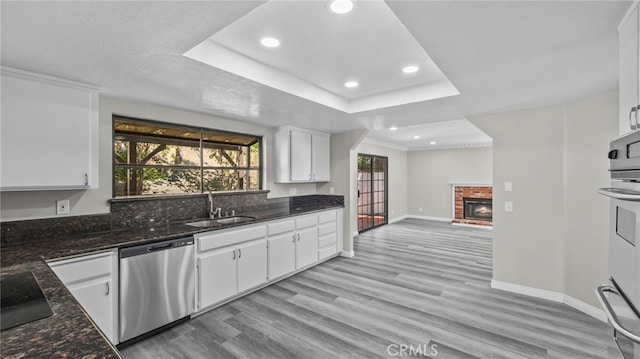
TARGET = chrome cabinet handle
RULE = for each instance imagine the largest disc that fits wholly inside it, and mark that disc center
(107, 293)
(298, 237)
(234, 254)
(631, 123)
(611, 314)
(239, 253)
(294, 238)
(86, 179)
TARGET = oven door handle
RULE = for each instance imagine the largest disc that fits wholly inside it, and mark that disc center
(600, 292)
(625, 195)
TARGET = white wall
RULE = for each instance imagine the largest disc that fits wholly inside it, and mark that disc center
(41, 204)
(589, 127)
(397, 176)
(430, 174)
(556, 237)
(344, 165)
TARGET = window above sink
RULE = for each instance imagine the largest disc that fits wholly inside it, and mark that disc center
(153, 158)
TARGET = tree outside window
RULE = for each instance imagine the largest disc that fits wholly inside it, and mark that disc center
(152, 158)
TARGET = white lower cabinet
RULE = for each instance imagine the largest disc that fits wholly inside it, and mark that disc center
(233, 262)
(329, 230)
(306, 247)
(93, 281)
(217, 277)
(282, 255)
(232, 269)
(252, 265)
(293, 244)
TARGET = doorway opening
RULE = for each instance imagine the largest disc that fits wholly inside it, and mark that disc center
(372, 191)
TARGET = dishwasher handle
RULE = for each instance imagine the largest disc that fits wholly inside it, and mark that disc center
(155, 247)
(160, 247)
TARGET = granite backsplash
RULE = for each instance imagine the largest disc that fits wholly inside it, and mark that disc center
(153, 211)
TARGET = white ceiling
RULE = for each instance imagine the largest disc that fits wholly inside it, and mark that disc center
(320, 51)
(500, 55)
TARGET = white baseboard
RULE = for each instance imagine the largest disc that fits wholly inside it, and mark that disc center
(348, 254)
(585, 308)
(398, 219)
(429, 218)
(552, 296)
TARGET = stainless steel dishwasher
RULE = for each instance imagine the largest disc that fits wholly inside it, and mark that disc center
(157, 286)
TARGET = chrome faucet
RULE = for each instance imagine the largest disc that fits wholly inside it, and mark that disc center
(213, 213)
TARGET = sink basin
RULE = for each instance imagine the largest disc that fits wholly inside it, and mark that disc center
(218, 221)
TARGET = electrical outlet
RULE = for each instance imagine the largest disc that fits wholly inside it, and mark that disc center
(293, 191)
(331, 190)
(508, 186)
(62, 207)
(508, 206)
(420, 209)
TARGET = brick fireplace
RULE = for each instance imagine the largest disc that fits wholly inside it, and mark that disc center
(473, 204)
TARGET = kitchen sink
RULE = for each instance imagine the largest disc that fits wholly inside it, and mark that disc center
(218, 221)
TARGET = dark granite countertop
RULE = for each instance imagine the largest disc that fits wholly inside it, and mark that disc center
(70, 332)
(73, 245)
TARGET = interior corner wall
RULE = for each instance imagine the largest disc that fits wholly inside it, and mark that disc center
(42, 204)
(344, 166)
(554, 158)
(397, 177)
(589, 127)
(430, 174)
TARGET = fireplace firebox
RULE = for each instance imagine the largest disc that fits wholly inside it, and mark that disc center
(478, 208)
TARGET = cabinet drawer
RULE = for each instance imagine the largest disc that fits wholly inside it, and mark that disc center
(281, 227)
(327, 240)
(326, 228)
(306, 221)
(327, 217)
(82, 268)
(214, 240)
(327, 252)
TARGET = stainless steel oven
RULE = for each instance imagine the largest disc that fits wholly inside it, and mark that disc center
(621, 299)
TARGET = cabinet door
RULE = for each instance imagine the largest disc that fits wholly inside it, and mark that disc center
(93, 281)
(300, 156)
(320, 157)
(252, 264)
(282, 255)
(96, 297)
(217, 277)
(307, 247)
(628, 71)
(49, 134)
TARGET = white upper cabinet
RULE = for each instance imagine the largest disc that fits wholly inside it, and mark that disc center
(320, 154)
(48, 133)
(629, 50)
(302, 155)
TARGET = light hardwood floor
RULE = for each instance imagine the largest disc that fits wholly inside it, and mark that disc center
(415, 283)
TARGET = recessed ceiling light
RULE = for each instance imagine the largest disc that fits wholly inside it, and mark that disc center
(416, 137)
(432, 142)
(270, 42)
(351, 84)
(410, 69)
(393, 128)
(341, 6)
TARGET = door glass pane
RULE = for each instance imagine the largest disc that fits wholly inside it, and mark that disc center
(372, 189)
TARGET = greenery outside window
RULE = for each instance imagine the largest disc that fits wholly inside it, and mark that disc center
(152, 158)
